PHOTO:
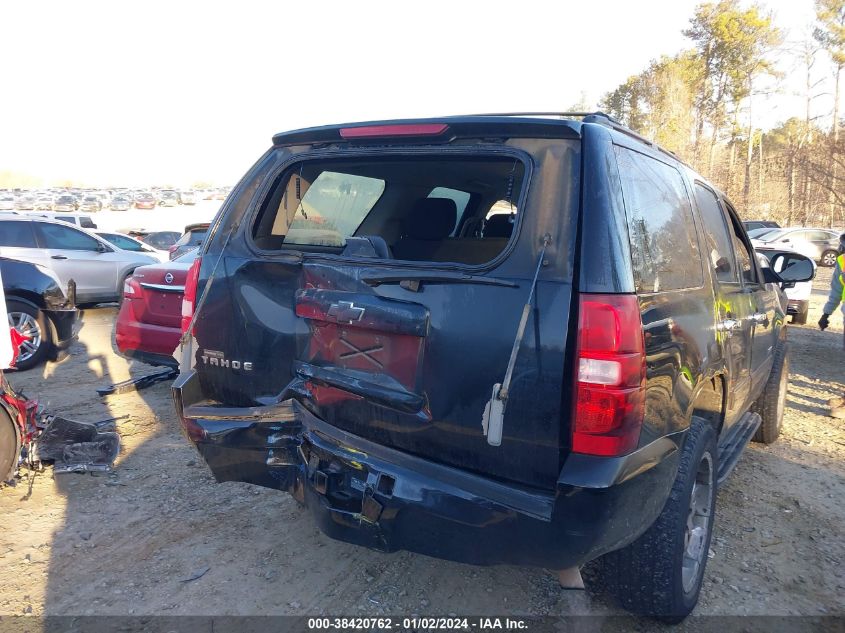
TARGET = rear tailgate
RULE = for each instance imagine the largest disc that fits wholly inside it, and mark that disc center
(405, 355)
(161, 289)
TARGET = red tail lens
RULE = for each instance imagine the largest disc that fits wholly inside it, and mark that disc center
(412, 129)
(131, 288)
(189, 298)
(610, 384)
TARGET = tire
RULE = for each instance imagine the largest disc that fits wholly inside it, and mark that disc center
(31, 322)
(772, 402)
(828, 259)
(660, 574)
(9, 447)
(800, 318)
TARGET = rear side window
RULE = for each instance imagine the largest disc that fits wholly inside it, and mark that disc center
(123, 242)
(17, 234)
(664, 246)
(86, 223)
(744, 261)
(718, 250)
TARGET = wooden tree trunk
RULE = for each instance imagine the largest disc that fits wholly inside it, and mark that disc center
(835, 135)
(790, 188)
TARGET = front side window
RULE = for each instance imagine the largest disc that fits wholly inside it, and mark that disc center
(744, 261)
(664, 246)
(59, 237)
(430, 208)
(718, 247)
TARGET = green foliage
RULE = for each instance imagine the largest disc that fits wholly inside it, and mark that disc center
(695, 103)
(830, 31)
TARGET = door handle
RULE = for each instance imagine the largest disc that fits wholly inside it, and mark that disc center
(58, 257)
(728, 325)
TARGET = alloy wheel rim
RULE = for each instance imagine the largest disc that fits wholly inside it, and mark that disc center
(699, 517)
(26, 325)
(829, 259)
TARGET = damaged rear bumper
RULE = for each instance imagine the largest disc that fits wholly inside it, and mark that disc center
(372, 495)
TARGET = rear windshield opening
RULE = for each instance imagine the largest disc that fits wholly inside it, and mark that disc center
(435, 209)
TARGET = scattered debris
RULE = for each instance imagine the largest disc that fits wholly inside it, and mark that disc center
(196, 574)
(75, 446)
(136, 384)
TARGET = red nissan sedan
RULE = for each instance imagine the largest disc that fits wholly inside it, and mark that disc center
(148, 324)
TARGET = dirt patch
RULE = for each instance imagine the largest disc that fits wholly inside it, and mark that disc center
(158, 536)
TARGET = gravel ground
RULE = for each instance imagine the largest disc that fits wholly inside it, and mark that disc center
(158, 536)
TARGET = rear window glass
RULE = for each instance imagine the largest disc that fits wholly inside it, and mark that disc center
(664, 247)
(405, 208)
(195, 236)
(161, 240)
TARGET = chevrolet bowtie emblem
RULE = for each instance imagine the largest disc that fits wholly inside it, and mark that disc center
(345, 312)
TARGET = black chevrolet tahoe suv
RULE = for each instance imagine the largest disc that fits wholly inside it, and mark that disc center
(534, 340)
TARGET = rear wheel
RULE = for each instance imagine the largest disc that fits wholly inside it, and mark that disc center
(829, 259)
(9, 447)
(32, 323)
(772, 402)
(660, 574)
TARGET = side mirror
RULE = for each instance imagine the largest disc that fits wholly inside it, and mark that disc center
(793, 267)
(102, 248)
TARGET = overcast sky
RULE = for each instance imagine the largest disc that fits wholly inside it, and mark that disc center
(171, 92)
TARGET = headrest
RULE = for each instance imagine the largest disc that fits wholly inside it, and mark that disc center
(499, 225)
(432, 219)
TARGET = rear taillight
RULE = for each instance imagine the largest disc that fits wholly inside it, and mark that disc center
(189, 298)
(610, 384)
(131, 288)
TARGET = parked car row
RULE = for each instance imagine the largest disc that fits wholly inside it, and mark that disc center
(820, 245)
(70, 200)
